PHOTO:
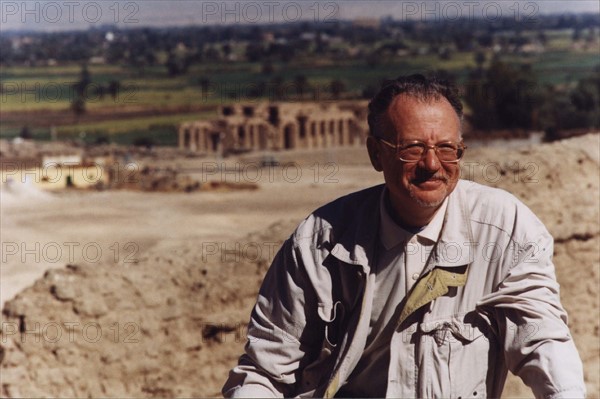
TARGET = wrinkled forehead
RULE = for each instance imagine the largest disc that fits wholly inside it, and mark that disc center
(426, 119)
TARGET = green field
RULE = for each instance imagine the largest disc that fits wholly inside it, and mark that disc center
(43, 91)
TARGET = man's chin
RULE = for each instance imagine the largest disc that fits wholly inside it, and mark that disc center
(429, 198)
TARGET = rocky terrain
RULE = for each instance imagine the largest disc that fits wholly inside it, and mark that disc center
(172, 322)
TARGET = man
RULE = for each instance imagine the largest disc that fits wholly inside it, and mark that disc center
(427, 286)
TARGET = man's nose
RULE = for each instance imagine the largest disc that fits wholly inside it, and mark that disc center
(430, 161)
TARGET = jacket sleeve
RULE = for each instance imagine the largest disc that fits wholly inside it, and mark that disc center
(281, 333)
(531, 322)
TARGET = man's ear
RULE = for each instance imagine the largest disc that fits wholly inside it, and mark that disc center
(374, 153)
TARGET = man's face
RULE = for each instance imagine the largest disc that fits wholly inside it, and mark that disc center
(422, 185)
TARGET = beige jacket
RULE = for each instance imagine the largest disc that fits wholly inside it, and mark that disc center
(488, 302)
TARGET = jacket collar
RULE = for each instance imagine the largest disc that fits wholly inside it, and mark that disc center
(454, 248)
(357, 244)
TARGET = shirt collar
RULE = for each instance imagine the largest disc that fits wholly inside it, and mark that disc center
(391, 234)
(357, 244)
(432, 231)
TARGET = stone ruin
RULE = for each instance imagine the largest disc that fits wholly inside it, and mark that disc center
(276, 126)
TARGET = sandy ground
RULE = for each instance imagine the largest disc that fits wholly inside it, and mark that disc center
(46, 230)
(151, 241)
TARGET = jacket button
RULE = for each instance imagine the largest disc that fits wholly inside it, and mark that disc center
(415, 276)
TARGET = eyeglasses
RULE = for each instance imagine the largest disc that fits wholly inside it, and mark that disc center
(414, 150)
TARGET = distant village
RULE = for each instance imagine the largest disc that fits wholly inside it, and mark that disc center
(377, 40)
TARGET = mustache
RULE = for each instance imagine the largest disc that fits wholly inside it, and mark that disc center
(420, 178)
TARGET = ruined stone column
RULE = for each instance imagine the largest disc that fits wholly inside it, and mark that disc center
(252, 132)
(206, 140)
(289, 136)
(345, 131)
(323, 134)
(181, 139)
(193, 143)
(197, 134)
(332, 133)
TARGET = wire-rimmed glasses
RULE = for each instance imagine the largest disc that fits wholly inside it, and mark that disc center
(413, 150)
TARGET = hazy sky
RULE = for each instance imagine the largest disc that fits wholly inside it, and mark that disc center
(50, 15)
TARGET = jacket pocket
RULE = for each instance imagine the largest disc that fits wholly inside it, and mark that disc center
(460, 356)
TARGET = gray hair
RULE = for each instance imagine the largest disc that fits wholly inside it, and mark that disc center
(417, 86)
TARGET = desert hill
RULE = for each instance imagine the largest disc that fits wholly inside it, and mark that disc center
(172, 323)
